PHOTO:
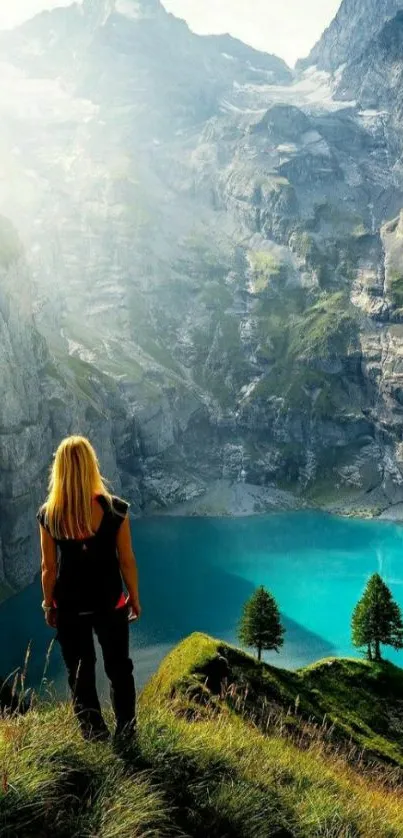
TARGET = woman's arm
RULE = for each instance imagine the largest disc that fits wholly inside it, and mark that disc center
(128, 565)
(49, 571)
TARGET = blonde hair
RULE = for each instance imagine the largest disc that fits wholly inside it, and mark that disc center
(75, 478)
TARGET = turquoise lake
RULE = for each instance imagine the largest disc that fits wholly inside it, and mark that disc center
(196, 573)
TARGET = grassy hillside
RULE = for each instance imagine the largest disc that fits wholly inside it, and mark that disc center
(353, 701)
(227, 747)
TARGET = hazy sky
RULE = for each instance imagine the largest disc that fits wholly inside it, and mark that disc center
(14, 12)
(286, 27)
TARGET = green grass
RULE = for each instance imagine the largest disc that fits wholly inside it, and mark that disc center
(265, 268)
(396, 288)
(304, 244)
(362, 701)
(296, 737)
(238, 781)
(326, 330)
(54, 784)
(297, 341)
(228, 748)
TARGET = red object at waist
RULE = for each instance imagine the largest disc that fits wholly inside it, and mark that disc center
(122, 602)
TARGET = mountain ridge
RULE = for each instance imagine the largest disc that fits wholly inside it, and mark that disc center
(332, 689)
(220, 249)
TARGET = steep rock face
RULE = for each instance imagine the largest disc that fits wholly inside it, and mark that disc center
(41, 401)
(350, 33)
(22, 418)
(375, 78)
(306, 411)
(214, 263)
(125, 250)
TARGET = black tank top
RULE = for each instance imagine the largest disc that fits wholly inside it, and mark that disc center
(88, 572)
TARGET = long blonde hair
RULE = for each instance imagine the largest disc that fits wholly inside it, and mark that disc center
(75, 478)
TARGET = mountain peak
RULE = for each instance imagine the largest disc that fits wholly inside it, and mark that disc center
(357, 22)
(138, 8)
(100, 10)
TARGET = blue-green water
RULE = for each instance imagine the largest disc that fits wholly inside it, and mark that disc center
(196, 573)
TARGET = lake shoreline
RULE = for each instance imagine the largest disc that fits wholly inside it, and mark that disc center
(231, 499)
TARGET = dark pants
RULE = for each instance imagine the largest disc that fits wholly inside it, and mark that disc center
(75, 635)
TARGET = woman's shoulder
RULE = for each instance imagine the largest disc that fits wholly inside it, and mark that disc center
(41, 515)
(119, 505)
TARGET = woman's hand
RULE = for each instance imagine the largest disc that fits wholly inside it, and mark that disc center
(50, 617)
(135, 608)
(128, 567)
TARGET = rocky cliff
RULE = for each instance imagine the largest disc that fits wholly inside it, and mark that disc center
(374, 78)
(350, 33)
(212, 247)
(23, 416)
(41, 399)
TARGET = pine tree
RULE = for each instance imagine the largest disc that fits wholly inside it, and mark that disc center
(377, 620)
(260, 625)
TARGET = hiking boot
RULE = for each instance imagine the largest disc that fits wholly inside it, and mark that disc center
(125, 738)
(95, 734)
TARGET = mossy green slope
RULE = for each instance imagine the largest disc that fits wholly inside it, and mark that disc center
(322, 744)
(227, 748)
(361, 702)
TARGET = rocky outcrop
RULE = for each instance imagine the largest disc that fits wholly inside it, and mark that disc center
(350, 33)
(375, 77)
(41, 401)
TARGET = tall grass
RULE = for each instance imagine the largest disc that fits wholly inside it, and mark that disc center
(306, 731)
(310, 791)
(55, 784)
(207, 765)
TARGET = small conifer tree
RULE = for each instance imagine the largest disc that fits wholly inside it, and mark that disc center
(377, 620)
(260, 625)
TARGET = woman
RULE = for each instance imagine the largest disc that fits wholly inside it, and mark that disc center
(86, 550)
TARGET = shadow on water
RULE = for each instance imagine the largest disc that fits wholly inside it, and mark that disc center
(302, 645)
(190, 580)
